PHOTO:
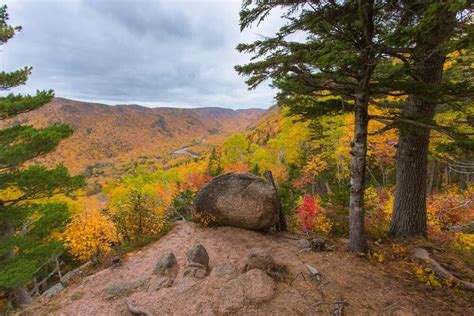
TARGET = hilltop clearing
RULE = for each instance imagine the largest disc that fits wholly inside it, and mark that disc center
(366, 285)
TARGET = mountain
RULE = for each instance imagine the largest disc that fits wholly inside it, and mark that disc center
(116, 135)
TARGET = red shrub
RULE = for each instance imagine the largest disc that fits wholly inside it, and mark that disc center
(307, 212)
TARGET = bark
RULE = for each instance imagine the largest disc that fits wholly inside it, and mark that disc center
(358, 241)
(409, 214)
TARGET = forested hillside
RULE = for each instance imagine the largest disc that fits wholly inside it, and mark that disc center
(113, 136)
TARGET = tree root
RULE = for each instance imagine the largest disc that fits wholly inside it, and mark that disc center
(421, 256)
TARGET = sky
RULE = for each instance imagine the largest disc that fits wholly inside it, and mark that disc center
(148, 52)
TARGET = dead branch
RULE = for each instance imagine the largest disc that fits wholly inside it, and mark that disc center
(137, 311)
(315, 274)
(294, 279)
(332, 302)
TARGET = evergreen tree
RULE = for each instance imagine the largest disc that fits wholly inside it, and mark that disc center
(329, 71)
(256, 169)
(26, 221)
(427, 33)
(214, 165)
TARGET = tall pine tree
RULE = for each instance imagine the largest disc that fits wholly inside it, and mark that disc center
(428, 31)
(330, 70)
(26, 220)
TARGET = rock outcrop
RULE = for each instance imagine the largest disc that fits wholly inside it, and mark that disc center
(240, 200)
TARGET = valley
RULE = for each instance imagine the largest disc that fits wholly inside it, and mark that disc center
(107, 138)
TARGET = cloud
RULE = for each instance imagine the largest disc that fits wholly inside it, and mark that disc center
(155, 53)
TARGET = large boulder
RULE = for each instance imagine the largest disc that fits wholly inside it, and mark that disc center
(240, 200)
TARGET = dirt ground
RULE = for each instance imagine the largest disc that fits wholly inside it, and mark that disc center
(369, 287)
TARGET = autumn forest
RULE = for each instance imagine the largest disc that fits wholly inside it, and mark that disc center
(369, 146)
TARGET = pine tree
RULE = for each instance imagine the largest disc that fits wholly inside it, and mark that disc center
(214, 165)
(427, 33)
(26, 221)
(329, 71)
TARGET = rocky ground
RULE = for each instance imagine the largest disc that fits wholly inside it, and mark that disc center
(235, 275)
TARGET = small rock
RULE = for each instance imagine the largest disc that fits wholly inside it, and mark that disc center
(53, 291)
(259, 259)
(304, 243)
(230, 298)
(318, 244)
(162, 282)
(198, 254)
(167, 265)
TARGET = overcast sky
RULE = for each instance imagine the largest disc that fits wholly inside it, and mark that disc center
(150, 52)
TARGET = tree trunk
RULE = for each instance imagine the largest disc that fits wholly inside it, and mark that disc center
(357, 238)
(409, 210)
(21, 297)
(281, 225)
(358, 241)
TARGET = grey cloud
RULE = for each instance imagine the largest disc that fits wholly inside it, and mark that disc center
(177, 53)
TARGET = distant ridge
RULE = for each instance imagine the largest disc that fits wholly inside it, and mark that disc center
(106, 134)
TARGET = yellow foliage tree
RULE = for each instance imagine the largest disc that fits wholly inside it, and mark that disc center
(90, 233)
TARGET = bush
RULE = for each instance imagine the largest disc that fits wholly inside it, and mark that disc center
(182, 204)
(336, 205)
(90, 233)
(311, 217)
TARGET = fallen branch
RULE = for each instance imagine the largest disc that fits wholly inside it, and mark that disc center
(422, 256)
(137, 311)
(313, 272)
